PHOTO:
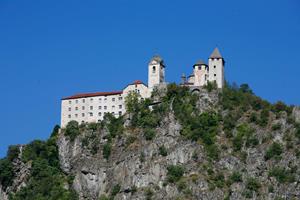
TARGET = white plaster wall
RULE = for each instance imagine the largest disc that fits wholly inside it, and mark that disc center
(157, 77)
(138, 88)
(218, 70)
(91, 109)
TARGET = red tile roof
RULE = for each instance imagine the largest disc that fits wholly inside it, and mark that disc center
(95, 94)
(137, 82)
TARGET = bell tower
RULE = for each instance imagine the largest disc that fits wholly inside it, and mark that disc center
(156, 72)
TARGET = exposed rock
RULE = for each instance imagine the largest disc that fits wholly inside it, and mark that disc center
(296, 113)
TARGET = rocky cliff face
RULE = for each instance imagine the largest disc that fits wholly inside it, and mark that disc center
(252, 157)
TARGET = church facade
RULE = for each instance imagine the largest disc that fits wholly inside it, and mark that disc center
(91, 107)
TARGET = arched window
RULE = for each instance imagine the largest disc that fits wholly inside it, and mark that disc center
(153, 69)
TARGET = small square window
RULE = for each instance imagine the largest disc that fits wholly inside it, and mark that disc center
(91, 99)
(113, 99)
(76, 101)
(76, 115)
(99, 114)
(69, 116)
(82, 114)
(83, 100)
(120, 113)
(91, 107)
(105, 107)
(215, 75)
(91, 114)
(70, 102)
(120, 98)
(215, 66)
(69, 109)
(120, 106)
(113, 107)
(76, 108)
(100, 107)
(83, 108)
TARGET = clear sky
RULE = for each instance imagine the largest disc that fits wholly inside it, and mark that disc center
(52, 49)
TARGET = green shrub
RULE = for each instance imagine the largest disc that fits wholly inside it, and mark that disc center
(55, 131)
(149, 134)
(149, 194)
(115, 190)
(275, 149)
(130, 140)
(174, 173)
(282, 175)
(142, 157)
(72, 130)
(13, 152)
(236, 177)
(252, 184)
(163, 151)
(6, 173)
(276, 127)
(210, 86)
(212, 151)
(106, 150)
(46, 180)
(264, 118)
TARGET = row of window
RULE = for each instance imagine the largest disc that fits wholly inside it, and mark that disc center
(100, 100)
(91, 114)
(92, 107)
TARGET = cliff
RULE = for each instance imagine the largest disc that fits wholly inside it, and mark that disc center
(182, 144)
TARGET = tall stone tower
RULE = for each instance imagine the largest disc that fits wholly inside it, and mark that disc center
(200, 73)
(156, 72)
(216, 68)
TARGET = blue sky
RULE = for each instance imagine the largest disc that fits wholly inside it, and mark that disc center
(51, 49)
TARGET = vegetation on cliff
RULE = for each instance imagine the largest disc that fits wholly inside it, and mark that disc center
(239, 128)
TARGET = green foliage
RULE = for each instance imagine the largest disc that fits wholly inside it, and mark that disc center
(210, 86)
(219, 180)
(6, 173)
(142, 157)
(174, 173)
(275, 149)
(72, 130)
(114, 125)
(264, 118)
(234, 97)
(103, 197)
(115, 190)
(276, 127)
(212, 151)
(149, 194)
(55, 131)
(236, 177)
(142, 116)
(282, 175)
(13, 152)
(253, 184)
(244, 133)
(280, 106)
(149, 134)
(46, 180)
(130, 140)
(106, 150)
(163, 151)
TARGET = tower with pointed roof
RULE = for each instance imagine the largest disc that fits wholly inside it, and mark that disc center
(216, 68)
(156, 72)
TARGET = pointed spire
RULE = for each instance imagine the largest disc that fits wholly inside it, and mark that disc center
(216, 53)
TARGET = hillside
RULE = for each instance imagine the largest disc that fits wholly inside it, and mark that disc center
(206, 144)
